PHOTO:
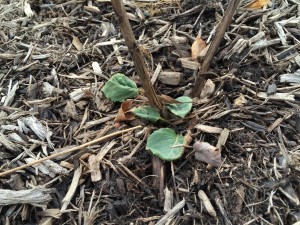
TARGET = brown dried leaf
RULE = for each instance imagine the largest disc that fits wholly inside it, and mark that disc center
(203, 52)
(197, 47)
(124, 114)
(207, 153)
(257, 4)
(167, 99)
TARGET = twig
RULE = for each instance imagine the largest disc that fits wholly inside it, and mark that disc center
(224, 24)
(222, 210)
(72, 189)
(171, 213)
(135, 52)
(67, 151)
(133, 175)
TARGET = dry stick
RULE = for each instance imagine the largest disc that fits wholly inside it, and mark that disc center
(135, 53)
(68, 151)
(200, 79)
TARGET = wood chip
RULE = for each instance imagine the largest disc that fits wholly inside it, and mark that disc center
(68, 197)
(170, 78)
(37, 196)
(171, 213)
(209, 129)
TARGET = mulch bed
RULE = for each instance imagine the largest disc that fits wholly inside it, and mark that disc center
(53, 64)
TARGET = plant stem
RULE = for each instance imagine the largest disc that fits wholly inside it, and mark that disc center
(136, 54)
(224, 24)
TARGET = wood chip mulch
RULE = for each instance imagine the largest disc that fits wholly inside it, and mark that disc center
(56, 55)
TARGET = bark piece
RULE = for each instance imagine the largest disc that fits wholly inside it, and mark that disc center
(209, 129)
(207, 204)
(75, 181)
(170, 78)
(37, 196)
(171, 213)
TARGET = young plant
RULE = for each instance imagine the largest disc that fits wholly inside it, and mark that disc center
(164, 143)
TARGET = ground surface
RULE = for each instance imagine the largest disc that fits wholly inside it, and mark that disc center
(50, 100)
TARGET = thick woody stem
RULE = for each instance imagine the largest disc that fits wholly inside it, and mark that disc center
(135, 52)
(224, 24)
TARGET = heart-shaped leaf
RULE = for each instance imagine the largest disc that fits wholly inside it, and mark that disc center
(166, 144)
(181, 109)
(147, 112)
(119, 87)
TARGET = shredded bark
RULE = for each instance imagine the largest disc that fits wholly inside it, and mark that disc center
(55, 56)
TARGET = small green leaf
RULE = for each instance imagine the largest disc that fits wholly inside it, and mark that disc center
(147, 112)
(166, 144)
(181, 109)
(119, 87)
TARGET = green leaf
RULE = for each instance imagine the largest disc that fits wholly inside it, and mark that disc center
(119, 87)
(166, 144)
(181, 109)
(147, 112)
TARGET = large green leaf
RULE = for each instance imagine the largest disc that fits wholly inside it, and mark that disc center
(166, 144)
(119, 87)
(181, 109)
(147, 112)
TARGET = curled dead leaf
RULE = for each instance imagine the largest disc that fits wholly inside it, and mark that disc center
(124, 114)
(167, 99)
(203, 53)
(257, 4)
(197, 47)
(207, 153)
